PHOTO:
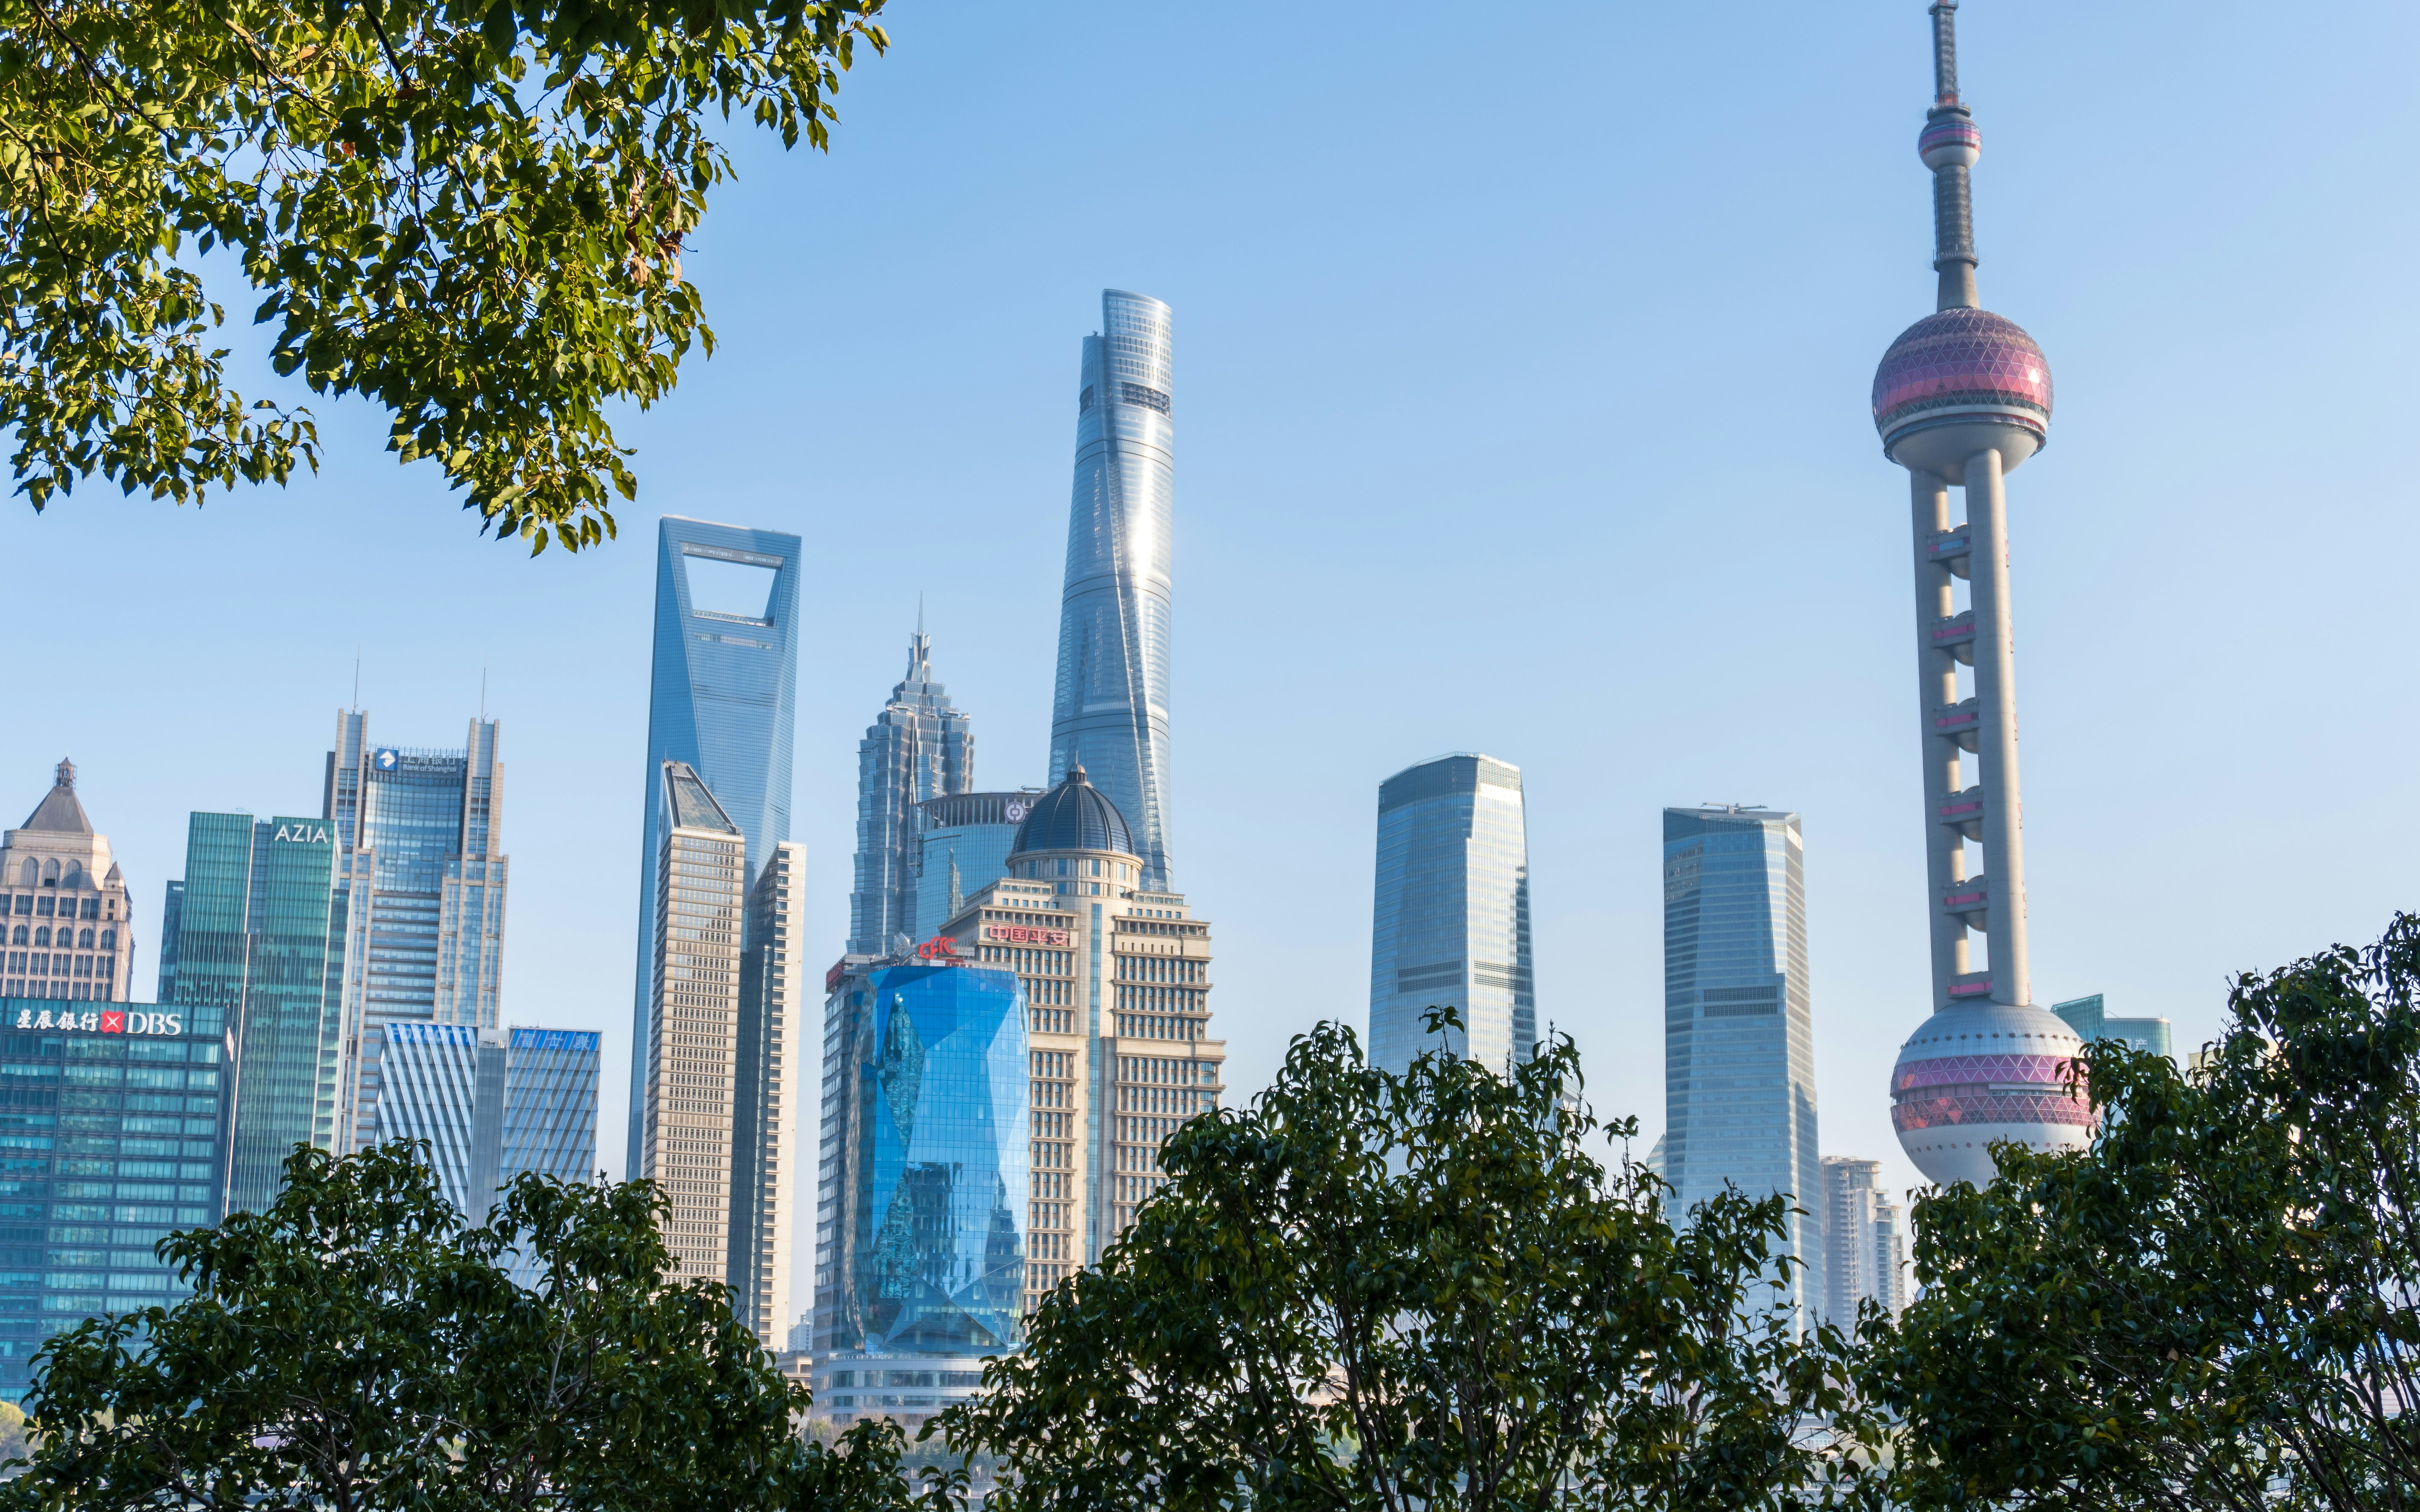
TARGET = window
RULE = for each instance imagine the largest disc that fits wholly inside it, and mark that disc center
(1149, 398)
(109, 939)
(42, 935)
(18, 938)
(31, 874)
(83, 941)
(92, 908)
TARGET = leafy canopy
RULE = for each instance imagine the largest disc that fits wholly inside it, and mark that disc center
(356, 1346)
(469, 213)
(2218, 1304)
(1418, 1292)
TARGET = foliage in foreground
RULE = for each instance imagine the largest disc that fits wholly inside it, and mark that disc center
(469, 212)
(1418, 1292)
(2218, 1304)
(357, 1347)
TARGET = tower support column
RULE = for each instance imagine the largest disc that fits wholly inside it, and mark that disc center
(1995, 700)
(1936, 684)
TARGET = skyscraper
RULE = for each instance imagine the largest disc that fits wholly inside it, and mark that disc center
(113, 1115)
(1961, 397)
(66, 927)
(2090, 1019)
(260, 951)
(1865, 1257)
(769, 1100)
(420, 860)
(685, 1117)
(1451, 924)
(917, 748)
(922, 1244)
(1110, 714)
(965, 845)
(492, 1104)
(722, 701)
(1739, 1037)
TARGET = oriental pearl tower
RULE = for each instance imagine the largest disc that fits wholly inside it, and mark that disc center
(1963, 398)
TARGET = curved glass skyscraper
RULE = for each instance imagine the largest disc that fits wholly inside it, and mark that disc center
(1111, 715)
(1452, 916)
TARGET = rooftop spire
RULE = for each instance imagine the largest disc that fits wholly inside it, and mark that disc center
(1949, 145)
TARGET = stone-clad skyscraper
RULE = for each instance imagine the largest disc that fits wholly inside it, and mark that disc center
(1111, 715)
(66, 920)
(1961, 397)
(917, 748)
(722, 701)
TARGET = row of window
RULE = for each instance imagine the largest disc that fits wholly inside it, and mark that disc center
(41, 936)
(45, 906)
(51, 874)
(44, 963)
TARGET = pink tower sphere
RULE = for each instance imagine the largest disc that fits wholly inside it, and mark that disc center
(1956, 382)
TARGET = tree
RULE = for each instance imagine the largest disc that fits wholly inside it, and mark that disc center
(1373, 1290)
(2217, 1305)
(469, 213)
(357, 1347)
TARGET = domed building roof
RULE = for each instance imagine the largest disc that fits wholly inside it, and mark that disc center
(1074, 816)
(1954, 362)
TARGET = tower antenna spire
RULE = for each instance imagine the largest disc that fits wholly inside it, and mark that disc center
(1950, 145)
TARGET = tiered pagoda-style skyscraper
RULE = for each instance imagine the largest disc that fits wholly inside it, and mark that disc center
(1964, 396)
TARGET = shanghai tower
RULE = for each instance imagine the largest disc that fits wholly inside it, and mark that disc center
(1962, 398)
(1111, 713)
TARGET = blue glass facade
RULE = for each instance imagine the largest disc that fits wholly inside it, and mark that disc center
(491, 1104)
(964, 849)
(722, 699)
(112, 1137)
(2089, 1018)
(260, 950)
(1451, 921)
(925, 1134)
(1109, 714)
(1739, 1050)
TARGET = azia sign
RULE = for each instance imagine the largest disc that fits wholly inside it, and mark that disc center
(102, 1021)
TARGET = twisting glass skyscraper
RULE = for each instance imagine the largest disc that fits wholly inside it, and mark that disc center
(917, 748)
(1738, 1033)
(1111, 715)
(1452, 918)
(723, 701)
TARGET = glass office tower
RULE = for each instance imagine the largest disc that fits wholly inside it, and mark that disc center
(110, 1119)
(917, 748)
(492, 1104)
(1110, 712)
(1739, 1043)
(1451, 924)
(925, 1130)
(420, 858)
(260, 952)
(722, 700)
(964, 849)
(2091, 1020)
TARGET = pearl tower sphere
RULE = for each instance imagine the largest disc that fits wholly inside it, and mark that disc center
(1962, 398)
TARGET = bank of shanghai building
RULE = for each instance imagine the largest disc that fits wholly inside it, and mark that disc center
(112, 1122)
(926, 1170)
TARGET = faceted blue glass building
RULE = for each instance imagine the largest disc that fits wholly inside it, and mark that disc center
(1110, 712)
(1451, 924)
(1739, 1037)
(722, 699)
(927, 1156)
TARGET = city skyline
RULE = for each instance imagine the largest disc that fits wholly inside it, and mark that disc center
(1375, 566)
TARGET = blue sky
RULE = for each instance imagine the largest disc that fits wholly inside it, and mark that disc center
(1522, 371)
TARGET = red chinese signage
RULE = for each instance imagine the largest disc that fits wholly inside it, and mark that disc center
(1021, 935)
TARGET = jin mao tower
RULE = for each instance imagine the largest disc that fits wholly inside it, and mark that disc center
(1962, 398)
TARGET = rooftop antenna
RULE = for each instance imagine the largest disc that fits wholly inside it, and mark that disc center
(357, 679)
(483, 692)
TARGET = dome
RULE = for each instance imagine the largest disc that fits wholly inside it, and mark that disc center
(1950, 141)
(1956, 382)
(1074, 816)
(1976, 1074)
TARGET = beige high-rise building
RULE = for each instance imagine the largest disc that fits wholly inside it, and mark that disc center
(68, 924)
(774, 993)
(722, 1089)
(686, 1146)
(1117, 982)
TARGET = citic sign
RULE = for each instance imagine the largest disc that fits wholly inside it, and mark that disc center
(102, 1021)
(939, 947)
(1023, 934)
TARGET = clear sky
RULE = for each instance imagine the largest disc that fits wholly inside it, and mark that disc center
(1522, 367)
